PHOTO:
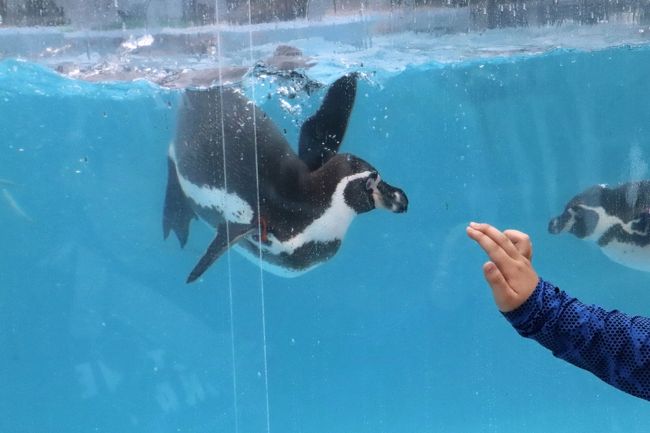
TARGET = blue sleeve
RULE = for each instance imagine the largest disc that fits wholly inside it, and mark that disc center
(612, 345)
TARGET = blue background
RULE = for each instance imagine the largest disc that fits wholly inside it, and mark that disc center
(397, 333)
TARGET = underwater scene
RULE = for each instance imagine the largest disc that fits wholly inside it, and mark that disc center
(391, 329)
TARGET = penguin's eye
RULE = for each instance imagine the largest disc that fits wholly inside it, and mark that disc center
(372, 181)
(578, 207)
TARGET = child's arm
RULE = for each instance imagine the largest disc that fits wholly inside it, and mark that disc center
(612, 345)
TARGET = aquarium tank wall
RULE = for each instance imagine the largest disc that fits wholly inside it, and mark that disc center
(250, 215)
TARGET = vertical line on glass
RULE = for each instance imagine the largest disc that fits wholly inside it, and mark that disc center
(259, 225)
(225, 186)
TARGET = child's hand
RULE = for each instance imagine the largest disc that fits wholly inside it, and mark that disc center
(509, 271)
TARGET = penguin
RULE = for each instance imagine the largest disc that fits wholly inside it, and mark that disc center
(230, 166)
(286, 69)
(617, 219)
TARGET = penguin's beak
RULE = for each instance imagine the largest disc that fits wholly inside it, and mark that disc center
(554, 226)
(390, 198)
(559, 224)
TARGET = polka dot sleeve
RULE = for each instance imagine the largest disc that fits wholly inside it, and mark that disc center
(610, 344)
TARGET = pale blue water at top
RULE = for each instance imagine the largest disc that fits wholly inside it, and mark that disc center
(398, 333)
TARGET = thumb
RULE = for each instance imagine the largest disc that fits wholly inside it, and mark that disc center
(500, 288)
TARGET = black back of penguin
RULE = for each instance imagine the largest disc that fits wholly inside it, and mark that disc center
(626, 201)
(218, 119)
(222, 118)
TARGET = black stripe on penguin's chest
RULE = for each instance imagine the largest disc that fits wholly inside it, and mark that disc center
(619, 234)
(302, 258)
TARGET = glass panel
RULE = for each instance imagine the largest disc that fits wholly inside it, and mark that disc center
(115, 117)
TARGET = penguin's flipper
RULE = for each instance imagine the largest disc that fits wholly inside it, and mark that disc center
(177, 213)
(322, 134)
(219, 245)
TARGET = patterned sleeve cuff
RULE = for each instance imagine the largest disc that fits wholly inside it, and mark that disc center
(530, 310)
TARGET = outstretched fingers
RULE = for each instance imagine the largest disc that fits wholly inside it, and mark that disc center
(498, 237)
(494, 250)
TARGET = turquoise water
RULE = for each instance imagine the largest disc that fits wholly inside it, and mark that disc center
(397, 333)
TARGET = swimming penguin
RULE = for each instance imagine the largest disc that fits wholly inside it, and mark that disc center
(227, 153)
(286, 69)
(617, 219)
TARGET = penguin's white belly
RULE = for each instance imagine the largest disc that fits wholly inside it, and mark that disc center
(630, 255)
(272, 268)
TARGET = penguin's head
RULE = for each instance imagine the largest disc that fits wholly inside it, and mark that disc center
(581, 215)
(365, 190)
